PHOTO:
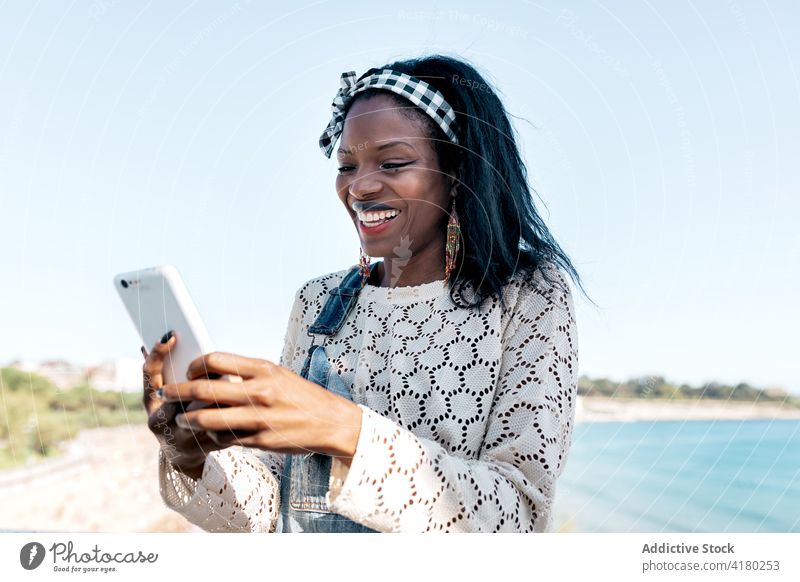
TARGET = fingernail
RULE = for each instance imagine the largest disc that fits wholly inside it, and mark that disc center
(166, 336)
(180, 420)
(160, 393)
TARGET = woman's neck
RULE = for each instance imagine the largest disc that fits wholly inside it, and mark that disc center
(410, 274)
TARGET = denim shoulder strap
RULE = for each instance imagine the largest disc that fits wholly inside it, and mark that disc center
(340, 303)
(337, 307)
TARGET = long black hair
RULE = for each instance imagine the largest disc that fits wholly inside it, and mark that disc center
(502, 233)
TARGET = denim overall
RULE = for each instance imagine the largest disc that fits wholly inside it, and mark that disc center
(305, 477)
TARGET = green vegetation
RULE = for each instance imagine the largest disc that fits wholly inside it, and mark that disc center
(657, 387)
(35, 416)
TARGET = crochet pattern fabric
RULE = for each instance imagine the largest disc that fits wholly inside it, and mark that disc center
(467, 414)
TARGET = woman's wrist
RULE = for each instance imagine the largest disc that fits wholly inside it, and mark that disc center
(349, 429)
(194, 472)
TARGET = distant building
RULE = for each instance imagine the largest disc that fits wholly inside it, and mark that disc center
(102, 376)
(60, 372)
(122, 375)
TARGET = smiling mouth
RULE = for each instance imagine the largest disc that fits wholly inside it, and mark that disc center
(378, 221)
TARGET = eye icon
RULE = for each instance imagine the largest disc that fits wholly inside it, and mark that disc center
(31, 555)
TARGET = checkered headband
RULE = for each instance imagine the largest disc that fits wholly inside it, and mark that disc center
(415, 90)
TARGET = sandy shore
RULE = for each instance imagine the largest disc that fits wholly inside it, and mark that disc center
(108, 482)
(597, 409)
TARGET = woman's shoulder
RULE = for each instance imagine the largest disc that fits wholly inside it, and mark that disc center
(314, 289)
(535, 297)
(546, 285)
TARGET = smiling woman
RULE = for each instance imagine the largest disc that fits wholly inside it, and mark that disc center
(395, 190)
(441, 396)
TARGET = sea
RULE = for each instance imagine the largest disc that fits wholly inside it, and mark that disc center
(680, 476)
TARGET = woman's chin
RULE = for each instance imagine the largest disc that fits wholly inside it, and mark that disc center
(377, 249)
(373, 252)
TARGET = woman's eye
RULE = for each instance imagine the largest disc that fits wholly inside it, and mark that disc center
(387, 166)
(391, 166)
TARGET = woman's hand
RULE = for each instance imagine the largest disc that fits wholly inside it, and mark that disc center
(283, 411)
(185, 449)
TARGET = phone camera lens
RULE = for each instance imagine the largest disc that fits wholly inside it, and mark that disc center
(124, 283)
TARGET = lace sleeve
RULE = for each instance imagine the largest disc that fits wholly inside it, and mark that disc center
(398, 482)
(237, 492)
(239, 489)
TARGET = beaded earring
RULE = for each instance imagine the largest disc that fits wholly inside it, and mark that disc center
(453, 242)
(364, 263)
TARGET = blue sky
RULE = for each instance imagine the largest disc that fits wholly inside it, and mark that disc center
(660, 138)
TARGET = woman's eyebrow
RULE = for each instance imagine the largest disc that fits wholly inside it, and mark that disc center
(346, 151)
(394, 143)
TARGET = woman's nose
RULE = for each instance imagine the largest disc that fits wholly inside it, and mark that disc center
(365, 185)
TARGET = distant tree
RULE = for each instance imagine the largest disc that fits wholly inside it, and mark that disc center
(657, 387)
(35, 416)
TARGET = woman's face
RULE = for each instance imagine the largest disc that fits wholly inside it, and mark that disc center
(387, 161)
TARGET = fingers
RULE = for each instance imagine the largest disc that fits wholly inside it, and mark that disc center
(217, 391)
(162, 424)
(186, 447)
(225, 438)
(242, 418)
(225, 363)
(161, 417)
(162, 348)
(154, 361)
(152, 370)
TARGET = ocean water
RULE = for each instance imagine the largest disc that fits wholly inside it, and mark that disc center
(682, 476)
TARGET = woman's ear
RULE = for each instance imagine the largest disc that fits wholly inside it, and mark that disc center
(453, 185)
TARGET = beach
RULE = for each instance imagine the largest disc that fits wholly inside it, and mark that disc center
(599, 409)
(106, 481)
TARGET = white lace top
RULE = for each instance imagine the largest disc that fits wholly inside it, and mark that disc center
(467, 415)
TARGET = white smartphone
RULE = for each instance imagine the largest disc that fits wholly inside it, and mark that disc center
(157, 301)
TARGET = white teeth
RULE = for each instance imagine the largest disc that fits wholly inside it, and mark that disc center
(376, 216)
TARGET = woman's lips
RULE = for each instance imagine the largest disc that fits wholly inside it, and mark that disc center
(376, 229)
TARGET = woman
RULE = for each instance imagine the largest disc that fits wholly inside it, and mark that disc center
(431, 391)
